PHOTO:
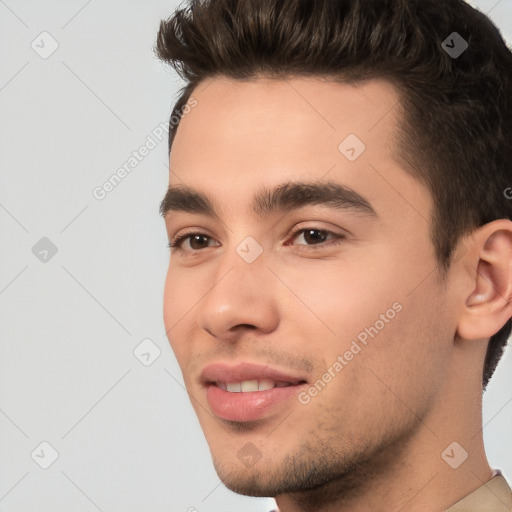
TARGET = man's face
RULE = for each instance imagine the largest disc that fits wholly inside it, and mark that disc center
(348, 314)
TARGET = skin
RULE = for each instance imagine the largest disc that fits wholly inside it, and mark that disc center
(373, 437)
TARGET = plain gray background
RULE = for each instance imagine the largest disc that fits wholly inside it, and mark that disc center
(119, 432)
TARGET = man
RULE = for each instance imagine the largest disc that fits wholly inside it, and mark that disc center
(340, 282)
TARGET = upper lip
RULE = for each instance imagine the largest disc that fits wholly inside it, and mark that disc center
(238, 372)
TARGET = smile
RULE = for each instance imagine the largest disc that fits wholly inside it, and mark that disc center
(250, 386)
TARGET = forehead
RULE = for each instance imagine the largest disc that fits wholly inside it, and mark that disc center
(245, 134)
(257, 116)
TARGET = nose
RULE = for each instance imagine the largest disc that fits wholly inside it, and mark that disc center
(242, 296)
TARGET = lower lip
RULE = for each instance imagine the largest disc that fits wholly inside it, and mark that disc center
(248, 406)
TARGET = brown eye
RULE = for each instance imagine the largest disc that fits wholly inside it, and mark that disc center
(197, 241)
(313, 236)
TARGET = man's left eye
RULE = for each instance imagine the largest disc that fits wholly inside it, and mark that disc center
(318, 236)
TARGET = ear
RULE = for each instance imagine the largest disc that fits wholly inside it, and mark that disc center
(489, 268)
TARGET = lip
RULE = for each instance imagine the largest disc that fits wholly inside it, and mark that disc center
(244, 407)
(225, 372)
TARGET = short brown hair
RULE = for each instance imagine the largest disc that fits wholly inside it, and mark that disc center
(456, 135)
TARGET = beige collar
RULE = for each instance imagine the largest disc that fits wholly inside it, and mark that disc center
(493, 496)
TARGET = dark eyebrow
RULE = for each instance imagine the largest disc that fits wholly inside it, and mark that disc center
(285, 197)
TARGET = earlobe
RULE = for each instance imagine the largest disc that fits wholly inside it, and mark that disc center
(488, 306)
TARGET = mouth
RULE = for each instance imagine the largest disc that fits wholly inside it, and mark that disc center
(250, 386)
(248, 392)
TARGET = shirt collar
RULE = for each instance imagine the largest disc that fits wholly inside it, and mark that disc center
(493, 496)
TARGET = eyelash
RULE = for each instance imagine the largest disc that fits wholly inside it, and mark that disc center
(177, 241)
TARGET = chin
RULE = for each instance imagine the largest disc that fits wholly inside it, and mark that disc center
(248, 482)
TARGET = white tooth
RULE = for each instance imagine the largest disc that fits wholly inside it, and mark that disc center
(233, 387)
(249, 385)
(265, 384)
(221, 385)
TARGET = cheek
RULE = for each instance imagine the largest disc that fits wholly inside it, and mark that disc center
(339, 299)
(170, 301)
(372, 312)
(382, 382)
(180, 297)
(407, 351)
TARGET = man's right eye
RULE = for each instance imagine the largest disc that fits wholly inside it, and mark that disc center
(196, 239)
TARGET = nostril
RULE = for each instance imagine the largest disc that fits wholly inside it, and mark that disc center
(241, 326)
